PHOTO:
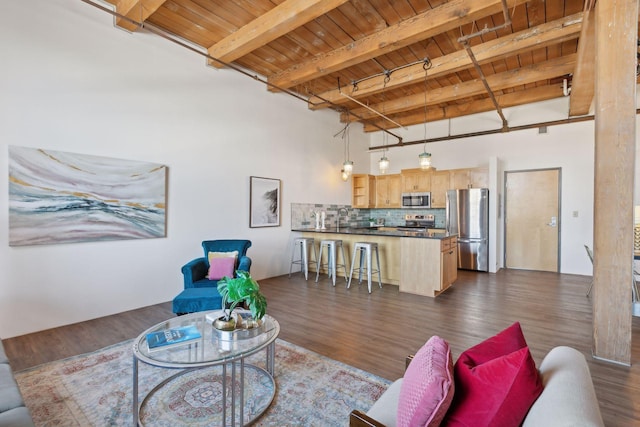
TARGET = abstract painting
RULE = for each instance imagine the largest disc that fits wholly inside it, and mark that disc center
(264, 205)
(61, 197)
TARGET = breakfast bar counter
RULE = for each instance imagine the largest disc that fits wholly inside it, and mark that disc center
(419, 262)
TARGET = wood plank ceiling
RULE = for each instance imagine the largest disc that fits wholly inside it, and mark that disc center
(358, 55)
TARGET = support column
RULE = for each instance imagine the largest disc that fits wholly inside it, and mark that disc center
(615, 124)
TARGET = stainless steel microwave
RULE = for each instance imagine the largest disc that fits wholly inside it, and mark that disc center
(416, 200)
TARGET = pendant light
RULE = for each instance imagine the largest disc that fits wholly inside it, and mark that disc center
(424, 158)
(383, 163)
(347, 166)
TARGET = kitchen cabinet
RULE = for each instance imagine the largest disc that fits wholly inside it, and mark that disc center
(439, 187)
(363, 191)
(448, 262)
(469, 178)
(428, 266)
(388, 191)
(415, 180)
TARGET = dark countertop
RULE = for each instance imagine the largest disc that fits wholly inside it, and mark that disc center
(376, 231)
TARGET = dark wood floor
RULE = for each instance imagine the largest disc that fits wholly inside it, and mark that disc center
(375, 332)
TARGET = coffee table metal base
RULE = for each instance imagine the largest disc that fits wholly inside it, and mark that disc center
(206, 396)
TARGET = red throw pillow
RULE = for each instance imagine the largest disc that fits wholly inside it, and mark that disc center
(496, 383)
(427, 388)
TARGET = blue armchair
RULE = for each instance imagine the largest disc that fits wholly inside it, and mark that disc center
(200, 293)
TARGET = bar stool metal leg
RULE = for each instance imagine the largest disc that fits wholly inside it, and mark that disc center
(365, 250)
(378, 262)
(323, 244)
(344, 260)
(332, 259)
(304, 260)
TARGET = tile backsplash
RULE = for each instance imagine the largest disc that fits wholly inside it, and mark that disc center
(302, 215)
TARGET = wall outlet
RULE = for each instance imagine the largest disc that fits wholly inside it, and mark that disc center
(575, 214)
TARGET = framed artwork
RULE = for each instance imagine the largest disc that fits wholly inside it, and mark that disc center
(60, 197)
(264, 202)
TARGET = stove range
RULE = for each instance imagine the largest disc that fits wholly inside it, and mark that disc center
(415, 222)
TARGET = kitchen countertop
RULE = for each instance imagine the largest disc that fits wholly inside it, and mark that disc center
(379, 231)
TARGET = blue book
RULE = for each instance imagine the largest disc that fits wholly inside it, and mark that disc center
(169, 337)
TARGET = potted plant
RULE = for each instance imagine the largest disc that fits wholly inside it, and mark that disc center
(235, 291)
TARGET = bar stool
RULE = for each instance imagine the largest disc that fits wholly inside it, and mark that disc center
(365, 249)
(332, 259)
(304, 260)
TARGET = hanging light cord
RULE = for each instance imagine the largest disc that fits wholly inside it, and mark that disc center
(426, 65)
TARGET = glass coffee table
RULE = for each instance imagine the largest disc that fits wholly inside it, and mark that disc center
(224, 356)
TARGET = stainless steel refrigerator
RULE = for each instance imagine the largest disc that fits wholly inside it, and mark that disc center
(467, 215)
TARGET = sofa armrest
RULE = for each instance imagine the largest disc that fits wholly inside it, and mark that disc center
(193, 271)
(568, 397)
(244, 263)
(360, 419)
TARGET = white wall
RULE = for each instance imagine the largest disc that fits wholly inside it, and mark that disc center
(70, 81)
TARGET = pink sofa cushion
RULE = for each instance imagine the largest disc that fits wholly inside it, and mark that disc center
(496, 382)
(427, 388)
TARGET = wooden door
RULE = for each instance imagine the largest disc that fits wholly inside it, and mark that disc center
(532, 220)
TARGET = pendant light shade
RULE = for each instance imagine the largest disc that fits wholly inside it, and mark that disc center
(425, 160)
(347, 167)
(383, 164)
(344, 175)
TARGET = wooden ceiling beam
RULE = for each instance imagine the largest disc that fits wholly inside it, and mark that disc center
(136, 10)
(558, 31)
(530, 74)
(583, 82)
(265, 28)
(542, 93)
(435, 21)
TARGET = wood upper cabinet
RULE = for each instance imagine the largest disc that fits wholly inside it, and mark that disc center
(468, 178)
(439, 187)
(363, 191)
(388, 191)
(415, 180)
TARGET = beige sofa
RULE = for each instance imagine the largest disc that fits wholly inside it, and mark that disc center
(568, 398)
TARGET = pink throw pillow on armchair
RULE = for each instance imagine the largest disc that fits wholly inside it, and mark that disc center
(427, 388)
(220, 267)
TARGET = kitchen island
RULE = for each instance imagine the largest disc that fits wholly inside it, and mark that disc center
(418, 262)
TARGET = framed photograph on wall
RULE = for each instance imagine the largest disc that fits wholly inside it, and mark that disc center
(264, 202)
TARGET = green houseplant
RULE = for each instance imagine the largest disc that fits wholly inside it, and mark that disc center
(235, 291)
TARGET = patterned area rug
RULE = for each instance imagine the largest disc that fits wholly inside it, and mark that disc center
(94, 389)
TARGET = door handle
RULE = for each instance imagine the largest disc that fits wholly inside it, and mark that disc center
(553, 222)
